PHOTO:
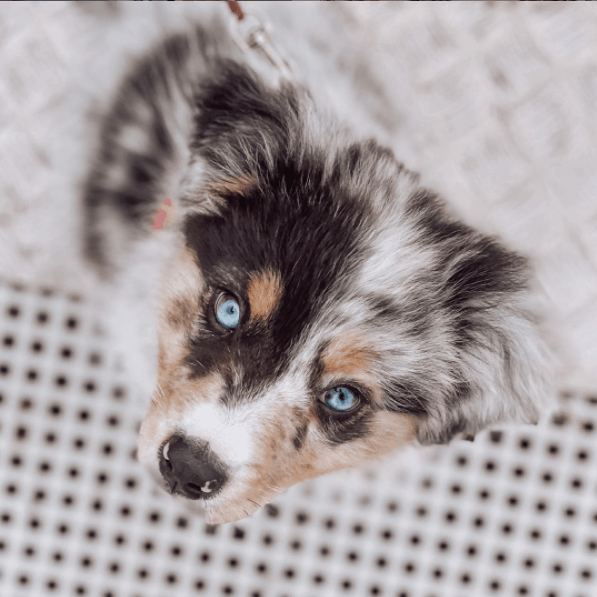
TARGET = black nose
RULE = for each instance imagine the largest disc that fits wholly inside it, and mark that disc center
(190, 469)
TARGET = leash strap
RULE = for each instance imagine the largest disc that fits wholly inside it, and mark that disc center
(236, 9)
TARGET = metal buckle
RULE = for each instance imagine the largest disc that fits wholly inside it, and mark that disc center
(251, 33)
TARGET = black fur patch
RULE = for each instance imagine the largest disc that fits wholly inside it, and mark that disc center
(294, 222)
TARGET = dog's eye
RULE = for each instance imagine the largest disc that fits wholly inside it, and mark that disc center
(227, 311)
(341, 399)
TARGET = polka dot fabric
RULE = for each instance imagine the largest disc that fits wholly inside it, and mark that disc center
(512, 513)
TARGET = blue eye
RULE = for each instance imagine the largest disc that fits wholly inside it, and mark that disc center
(227, 311)
(340, 399)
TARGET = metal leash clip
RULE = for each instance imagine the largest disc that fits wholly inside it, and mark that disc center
(251, 32)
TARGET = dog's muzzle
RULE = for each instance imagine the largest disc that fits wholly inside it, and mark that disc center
(190, 469)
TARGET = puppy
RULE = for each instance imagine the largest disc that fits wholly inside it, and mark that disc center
(319, 309)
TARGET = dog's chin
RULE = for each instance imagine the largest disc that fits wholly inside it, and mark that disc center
(215, 514)
(216, 510)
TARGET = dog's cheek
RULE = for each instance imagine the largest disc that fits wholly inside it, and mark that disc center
(179, 308)
(307, 453)
(386, 434)
(297, 452)
(261, 479)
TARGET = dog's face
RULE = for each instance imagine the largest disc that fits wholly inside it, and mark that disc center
(315, 323)
(323, 312)
(270, 369)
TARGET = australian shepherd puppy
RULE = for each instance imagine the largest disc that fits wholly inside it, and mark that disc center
(319, 309)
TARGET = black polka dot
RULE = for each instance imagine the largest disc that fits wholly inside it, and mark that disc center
(302, 518)
(496, 437)
(586, 574)
(89, 386)
(66, 353)
(71, 323)
(13, 311)
(461, 461)
(553, 449)
(95, 359)
(61, 381)
(392, 507)
(443, 546)
(272, 511)
(524, 443)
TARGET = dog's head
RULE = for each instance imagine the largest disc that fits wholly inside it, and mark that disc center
(323, 312)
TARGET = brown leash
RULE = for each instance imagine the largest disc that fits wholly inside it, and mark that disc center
(236, 9)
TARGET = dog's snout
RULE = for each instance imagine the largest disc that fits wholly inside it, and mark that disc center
(190, 469)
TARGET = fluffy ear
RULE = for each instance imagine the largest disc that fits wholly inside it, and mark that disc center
(500, 364)
(504, 367)
(468, 341)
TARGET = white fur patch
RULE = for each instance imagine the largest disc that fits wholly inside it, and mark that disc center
(229, 432)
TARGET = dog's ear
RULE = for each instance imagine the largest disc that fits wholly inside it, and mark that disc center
(499, 365)
(463, 346)
(504, 371)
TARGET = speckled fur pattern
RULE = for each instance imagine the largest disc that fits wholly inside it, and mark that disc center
(347, 271)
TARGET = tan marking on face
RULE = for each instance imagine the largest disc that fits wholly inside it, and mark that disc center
(347, 354)
(351, 357)
(181, 311)
(264, 291)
